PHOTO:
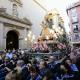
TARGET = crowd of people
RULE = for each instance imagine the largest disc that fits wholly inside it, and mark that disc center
(16, 65)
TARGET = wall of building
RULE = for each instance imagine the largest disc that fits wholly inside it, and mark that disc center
(74, 36)
(70, 19)
(78, 14)
(1, 34)
(5, 29)
(9, 9)
(6, 4)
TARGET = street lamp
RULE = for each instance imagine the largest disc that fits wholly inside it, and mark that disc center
(29, 34)
(32, 38)
(25, 39)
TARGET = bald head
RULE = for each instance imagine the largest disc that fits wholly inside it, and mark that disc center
(51, 58)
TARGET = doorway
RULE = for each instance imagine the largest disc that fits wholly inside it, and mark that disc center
(12, 40)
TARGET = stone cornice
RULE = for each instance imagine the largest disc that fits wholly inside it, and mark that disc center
(74, 5)
(17, 1)
(27, 22)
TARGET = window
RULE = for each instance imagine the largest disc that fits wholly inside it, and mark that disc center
(75, 27)
(15, 12)
(74, 15)
(76, 36)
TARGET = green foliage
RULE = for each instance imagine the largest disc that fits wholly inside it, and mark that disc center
(63, 39)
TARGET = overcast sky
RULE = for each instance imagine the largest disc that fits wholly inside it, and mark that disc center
(36, 14)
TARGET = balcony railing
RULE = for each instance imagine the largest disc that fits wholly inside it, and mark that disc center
(75, 37)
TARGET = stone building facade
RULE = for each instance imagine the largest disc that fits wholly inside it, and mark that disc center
(14, 26)
(74, 16)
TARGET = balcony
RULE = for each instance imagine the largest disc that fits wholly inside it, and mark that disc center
(3, 10)
(75, 38)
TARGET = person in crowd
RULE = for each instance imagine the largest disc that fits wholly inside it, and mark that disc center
(72, 68)
(51, 62)
(9, 54)
(17, 66)
(1, 59)
(14, 75)
(34, 72)
(43, 68)
(48, 76)
(35, 63)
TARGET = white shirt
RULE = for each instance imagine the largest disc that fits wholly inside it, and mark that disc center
(9, 55)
